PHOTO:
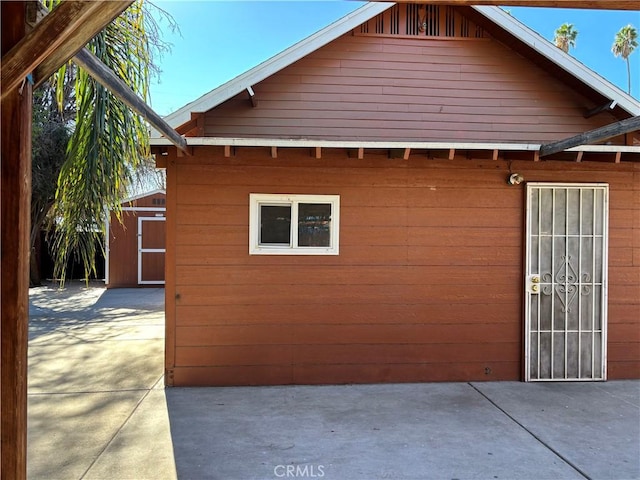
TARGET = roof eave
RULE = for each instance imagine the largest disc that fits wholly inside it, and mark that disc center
(276, 63)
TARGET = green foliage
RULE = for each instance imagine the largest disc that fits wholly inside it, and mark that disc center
(565, 37)
(50, 135)
(109, 142)
(626, 41)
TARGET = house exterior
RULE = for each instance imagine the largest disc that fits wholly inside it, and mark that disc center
(371, 205)
(135, 245)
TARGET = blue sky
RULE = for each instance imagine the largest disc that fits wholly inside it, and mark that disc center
(219, 40)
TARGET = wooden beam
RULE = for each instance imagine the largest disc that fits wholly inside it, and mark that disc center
(274, 152)
(452, 153)
(495, 154)
(227, 151)
(84, 33)
(98, 70)
(318, 153)
(588, 4)
(252, 97)
(407, 152)
(606, 107)
(187, 127)
(56, 39)
(592, 136)
(360, 153)
(579, 157)
(618, 157)
(15, 206)
(201, 122)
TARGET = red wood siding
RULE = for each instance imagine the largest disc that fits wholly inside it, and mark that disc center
(123, 243)
(427, 287)
(405, 88)
(123, 251)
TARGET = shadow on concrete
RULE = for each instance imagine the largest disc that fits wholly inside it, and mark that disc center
(96, 403)
(505, 430)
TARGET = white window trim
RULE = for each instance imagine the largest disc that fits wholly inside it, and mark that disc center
(257, 199)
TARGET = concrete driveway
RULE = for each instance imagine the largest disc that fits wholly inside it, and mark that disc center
(97, 407)
(98, 410)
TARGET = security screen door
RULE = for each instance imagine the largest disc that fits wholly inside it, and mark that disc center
(566, 282)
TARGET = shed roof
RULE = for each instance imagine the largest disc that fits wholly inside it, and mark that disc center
(496, 15)
(143, 195)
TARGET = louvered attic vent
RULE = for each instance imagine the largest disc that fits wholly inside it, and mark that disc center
(421, 20)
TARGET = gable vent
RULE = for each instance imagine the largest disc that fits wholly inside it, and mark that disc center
(421, 20)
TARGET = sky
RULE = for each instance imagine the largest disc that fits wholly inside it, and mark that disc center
(219, 40)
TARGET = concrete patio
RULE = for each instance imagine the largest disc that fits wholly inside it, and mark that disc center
(98, 410)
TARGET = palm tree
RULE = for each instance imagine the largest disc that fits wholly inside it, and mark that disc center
(109, 141)
(565, 37)
(624, 44)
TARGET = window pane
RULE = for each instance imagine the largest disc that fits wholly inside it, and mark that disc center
(275, 224)
(314, 225)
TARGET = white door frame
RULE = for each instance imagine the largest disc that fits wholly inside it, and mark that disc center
(147, 250)
(535, 281)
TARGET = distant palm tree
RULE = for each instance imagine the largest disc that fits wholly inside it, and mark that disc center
(624, 44)
(565, 37)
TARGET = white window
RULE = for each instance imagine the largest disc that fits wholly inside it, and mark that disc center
(293, 224)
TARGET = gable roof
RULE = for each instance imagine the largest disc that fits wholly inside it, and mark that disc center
(338, 28)
(278, 62)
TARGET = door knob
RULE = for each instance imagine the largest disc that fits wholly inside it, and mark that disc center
(533, 284)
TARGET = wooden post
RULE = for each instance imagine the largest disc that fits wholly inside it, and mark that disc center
(15, 186)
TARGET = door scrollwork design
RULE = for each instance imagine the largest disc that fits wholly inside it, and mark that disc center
(567, 283)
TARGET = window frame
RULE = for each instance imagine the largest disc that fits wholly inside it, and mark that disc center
(258, 199)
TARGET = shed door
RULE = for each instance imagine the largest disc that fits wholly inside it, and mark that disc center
(566, 282)
(151, 250)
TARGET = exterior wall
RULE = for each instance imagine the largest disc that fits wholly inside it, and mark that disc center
(123, 241)
(428, 285)
(395, 88)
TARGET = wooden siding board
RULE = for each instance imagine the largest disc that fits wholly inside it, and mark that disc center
(254, 375)
(252, 275)
(368, 313)
(624, 352)
(301, 334)
(457, 372)
(283, 355)
(623, 370)
(320, 294)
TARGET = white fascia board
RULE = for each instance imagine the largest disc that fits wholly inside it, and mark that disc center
(383, 145)
(276, 63)
(605, 149)
(369, 144)
(562, 59)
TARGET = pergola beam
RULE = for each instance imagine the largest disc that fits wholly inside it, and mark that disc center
(98, 70)
(84, 31)
(56, 39)
(592, 136)
(586, 4)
